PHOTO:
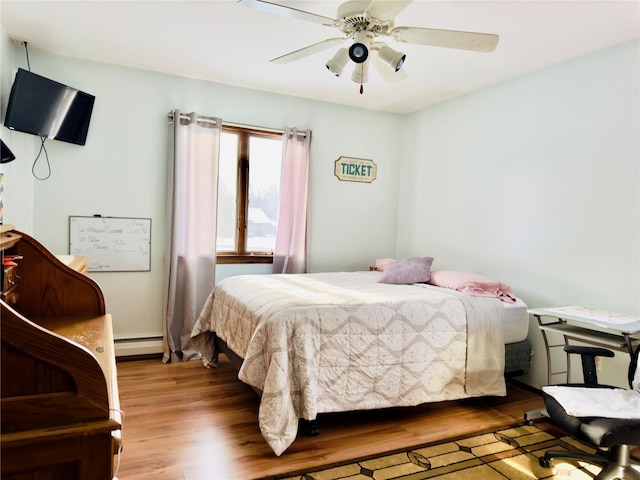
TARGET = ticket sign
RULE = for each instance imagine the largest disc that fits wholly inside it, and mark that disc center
(349, 169)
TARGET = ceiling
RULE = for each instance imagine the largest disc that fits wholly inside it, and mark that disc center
(225, 42)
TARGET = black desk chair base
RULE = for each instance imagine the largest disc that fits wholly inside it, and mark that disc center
(617, 464)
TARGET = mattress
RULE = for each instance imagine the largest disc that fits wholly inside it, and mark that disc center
(515, 326)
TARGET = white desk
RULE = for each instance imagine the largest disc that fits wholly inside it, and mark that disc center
(594, 327)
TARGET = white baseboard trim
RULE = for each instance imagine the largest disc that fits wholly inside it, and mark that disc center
(138, 346)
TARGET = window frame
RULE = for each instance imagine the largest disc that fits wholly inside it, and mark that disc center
(240, 255)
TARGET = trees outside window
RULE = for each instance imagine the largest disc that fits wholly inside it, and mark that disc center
(250, 172)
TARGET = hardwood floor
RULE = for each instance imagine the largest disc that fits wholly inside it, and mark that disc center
(185, 421)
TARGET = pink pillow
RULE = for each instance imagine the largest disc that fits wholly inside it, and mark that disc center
(472, 284)
(382, 263)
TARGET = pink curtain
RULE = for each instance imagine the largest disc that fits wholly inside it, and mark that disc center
(192, 197)
(290, 255)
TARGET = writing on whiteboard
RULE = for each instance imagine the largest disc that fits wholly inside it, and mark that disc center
(115, 244)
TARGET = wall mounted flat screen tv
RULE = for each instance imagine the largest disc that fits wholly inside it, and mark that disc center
(43, 107)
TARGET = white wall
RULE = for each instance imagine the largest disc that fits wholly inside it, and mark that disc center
(535, 182)
(18, 187)
(121, 172)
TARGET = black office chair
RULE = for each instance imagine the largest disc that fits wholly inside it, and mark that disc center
(614, 438)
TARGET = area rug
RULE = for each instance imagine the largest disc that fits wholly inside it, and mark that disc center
(509, 453)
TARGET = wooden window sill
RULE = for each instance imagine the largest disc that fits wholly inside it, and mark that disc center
(249, 258)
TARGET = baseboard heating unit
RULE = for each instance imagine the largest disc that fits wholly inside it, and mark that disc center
(129, 347)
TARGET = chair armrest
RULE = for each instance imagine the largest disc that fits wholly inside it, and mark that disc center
(593, 351)
(588, 356)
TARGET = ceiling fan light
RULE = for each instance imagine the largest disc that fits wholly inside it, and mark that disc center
(361, 73)
(337, 63)
(359, 51)
(392, 57)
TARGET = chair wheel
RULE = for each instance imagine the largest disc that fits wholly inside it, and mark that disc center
(544, 462)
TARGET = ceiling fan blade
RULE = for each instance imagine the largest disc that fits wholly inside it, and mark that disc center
(306, 51)
(387, 73)
(479, 42)
(386, 10)
(278, 9)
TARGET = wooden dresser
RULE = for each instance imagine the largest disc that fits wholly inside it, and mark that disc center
(59, 414)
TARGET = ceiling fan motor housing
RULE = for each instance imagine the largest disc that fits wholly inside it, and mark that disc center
(353, 18)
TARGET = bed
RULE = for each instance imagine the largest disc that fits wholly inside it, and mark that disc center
(343, 341)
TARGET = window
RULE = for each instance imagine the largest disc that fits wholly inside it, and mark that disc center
(248, 194)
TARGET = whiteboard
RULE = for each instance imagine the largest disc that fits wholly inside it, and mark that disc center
(113, 244)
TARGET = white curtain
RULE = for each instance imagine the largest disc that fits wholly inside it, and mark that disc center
(192, 194)
(290, 255)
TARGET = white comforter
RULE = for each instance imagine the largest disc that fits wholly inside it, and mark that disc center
(330, 342)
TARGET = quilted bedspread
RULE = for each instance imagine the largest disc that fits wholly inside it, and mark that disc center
(336, 342)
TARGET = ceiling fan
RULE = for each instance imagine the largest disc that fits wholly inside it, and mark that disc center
(361, 23)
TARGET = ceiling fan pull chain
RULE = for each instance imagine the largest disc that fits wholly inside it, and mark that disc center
(361, 86)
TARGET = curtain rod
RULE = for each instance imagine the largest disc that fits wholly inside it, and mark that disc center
(200, 118)
(237, 125)
(261, 129)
